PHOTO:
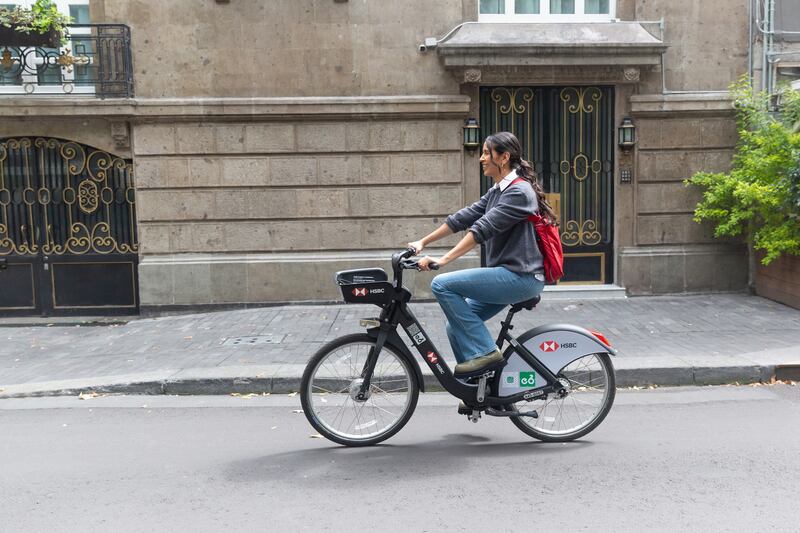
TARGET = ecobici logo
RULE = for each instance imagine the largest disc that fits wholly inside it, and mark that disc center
(521, 379)
(527, 379)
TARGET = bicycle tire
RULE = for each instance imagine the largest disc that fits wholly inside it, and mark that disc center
(352, 351)
(539, 428)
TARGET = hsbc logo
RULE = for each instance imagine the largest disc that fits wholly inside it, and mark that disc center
(432, 357)
(548, 346)
(360, 291)
(552, 346)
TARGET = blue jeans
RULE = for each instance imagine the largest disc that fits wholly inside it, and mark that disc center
(470, 297)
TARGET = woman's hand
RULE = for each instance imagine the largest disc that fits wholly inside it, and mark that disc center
(425, 263)
(416, 245)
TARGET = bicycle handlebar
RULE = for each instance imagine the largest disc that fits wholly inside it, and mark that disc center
(400, 262)
(414, 263)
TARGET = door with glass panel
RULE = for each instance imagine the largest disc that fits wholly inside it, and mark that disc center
(546, 10)
(567, 134)
(44, 70)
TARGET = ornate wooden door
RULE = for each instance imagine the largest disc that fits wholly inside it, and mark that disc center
(568, 135)
(68, 240)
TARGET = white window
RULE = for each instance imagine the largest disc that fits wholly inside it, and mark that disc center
(49, 77)
(547, 10)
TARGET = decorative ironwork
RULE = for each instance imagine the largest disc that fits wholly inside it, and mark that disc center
(59, 198)
(568, 135)
(96, 57)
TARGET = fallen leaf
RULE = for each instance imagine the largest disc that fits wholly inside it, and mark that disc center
(240, 395)
(292, 394)
(274, 427)
(265, 393)
(315, 436)
(297, 411)
(87, 395)
(188, 338)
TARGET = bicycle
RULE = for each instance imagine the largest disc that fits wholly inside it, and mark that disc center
(556, 382)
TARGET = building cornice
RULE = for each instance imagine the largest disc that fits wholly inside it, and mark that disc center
(300, 108)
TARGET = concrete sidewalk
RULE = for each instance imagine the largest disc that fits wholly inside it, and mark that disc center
(684, 340)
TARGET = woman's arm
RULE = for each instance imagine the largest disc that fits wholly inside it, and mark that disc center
(464, 245)
(441, 232)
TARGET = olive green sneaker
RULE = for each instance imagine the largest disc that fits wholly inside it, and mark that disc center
(479, 363)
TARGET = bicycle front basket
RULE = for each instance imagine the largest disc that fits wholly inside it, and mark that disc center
(365, 286)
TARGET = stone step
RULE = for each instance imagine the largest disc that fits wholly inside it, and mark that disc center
(583, 292)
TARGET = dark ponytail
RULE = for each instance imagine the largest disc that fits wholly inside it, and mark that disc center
(505, 142)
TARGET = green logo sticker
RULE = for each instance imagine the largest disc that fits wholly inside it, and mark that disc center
(510, 379)
(527, 379)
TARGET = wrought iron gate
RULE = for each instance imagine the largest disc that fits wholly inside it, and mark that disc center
(568, 134)
(68, 240)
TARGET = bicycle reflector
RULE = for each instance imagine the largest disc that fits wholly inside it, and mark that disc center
(600, 336)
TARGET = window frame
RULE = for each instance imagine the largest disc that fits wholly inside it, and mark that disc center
(546, 16)
(33, 79)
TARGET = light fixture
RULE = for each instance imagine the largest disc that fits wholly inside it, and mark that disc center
(472, 134)
(627, 134)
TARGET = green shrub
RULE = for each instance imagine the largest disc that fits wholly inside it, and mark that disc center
(42, 17)
(760, 197)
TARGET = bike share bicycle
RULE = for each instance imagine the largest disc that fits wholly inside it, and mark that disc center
(555, 382)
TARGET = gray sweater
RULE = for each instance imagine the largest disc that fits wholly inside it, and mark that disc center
(499, 221)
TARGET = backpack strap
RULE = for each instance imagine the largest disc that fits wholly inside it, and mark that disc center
(531, 218)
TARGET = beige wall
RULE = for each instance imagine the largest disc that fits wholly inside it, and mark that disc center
(707, 42)
(94, 132)
(186, 48)
(245, 189)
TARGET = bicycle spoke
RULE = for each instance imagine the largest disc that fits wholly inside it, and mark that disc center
(390, 392)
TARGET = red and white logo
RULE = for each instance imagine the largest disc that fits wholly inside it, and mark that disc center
(548, 346)
(432, 357)
(359, 291)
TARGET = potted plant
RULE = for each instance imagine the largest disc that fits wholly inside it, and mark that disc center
(760, 197)
(41, 25)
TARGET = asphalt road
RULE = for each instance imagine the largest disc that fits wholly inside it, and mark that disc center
(683, 459)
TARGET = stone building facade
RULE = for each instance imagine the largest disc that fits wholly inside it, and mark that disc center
(273, 143)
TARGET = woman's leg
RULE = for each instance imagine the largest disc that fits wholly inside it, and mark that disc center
(496, 286)
(484, 311)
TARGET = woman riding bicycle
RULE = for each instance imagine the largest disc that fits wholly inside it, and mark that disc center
(514, 270)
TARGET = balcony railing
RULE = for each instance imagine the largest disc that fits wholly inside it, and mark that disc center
(94, 61)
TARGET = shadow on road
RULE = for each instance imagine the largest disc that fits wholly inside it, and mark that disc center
(453, 454)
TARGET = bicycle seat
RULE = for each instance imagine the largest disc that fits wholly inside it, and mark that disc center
(527, 304)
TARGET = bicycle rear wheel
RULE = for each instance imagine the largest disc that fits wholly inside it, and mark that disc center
(590, 389)
(332, 379)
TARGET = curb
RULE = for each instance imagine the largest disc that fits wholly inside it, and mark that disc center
(197, 386)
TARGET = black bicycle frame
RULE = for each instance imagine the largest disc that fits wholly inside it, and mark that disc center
(397, 312)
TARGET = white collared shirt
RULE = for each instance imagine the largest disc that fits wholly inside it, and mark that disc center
(506, 181)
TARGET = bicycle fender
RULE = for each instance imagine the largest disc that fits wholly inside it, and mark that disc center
(400, 347)
(557, 345)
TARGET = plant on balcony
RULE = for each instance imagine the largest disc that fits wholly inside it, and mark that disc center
(760, 196)
(41, 25)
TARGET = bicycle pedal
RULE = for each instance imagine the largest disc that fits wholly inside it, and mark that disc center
(464, 409)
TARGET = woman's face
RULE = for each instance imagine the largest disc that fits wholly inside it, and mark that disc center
(492, 161)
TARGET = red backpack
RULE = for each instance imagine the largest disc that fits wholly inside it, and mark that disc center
(549, 241)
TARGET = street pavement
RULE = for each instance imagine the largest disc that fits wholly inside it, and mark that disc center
(668, 340)
(693, 459)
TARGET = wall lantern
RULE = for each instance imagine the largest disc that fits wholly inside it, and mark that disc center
(627, 134)
(472, 134)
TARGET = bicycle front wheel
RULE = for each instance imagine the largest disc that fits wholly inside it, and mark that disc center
(589, 387)
(331, 383)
